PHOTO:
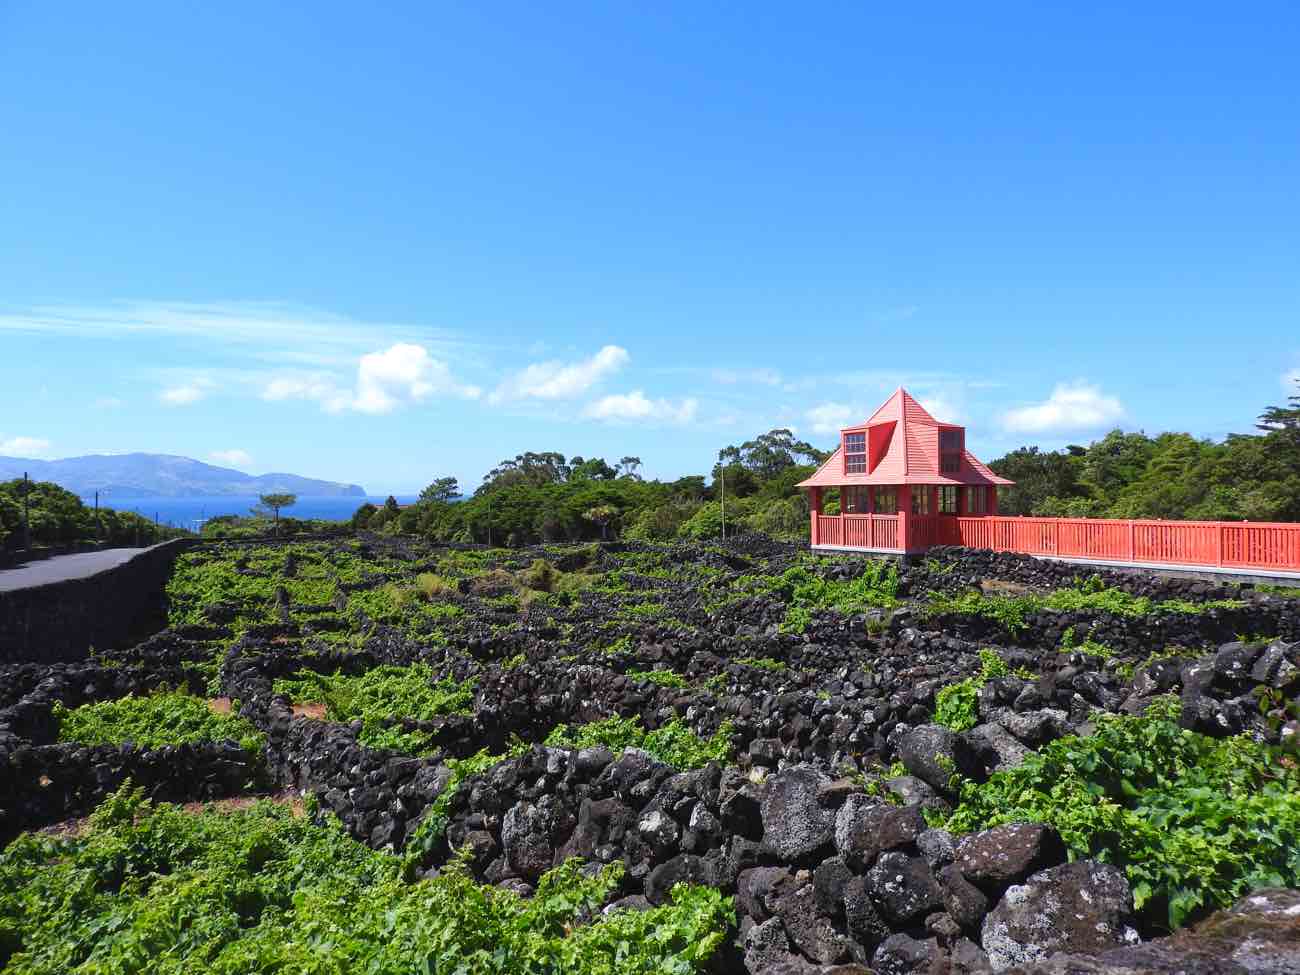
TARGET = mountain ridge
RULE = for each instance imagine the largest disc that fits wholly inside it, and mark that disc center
(166, 476)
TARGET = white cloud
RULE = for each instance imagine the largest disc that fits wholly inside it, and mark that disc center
(232, 458)
(319, 387)
(637, 406)
(561, 380)
(185, 394)
(942, 409)
(24, 447)
(271, 330)
(1072, 406)
(830, 417)
(401, 374)
(759, 377)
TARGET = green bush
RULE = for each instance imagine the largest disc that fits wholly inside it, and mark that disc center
(664, 678)
(165, 717)
(957, 705)
(380, 694)
(1194, 821)
(155, 889)
(805, 592)
(674, 743)
(1011, 611)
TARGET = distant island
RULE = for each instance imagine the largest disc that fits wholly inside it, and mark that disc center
(165, 476)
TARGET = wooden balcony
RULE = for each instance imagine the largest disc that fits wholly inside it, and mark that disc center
(1230, 544)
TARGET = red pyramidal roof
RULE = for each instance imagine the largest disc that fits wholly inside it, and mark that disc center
(902, 442)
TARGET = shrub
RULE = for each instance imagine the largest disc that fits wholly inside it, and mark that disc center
(1194, 821)
(674, 743)
(433, 586)
(380, 695)
(805, 591)
(957, 705)
(152, 888)
(664, 678)
(164, 717)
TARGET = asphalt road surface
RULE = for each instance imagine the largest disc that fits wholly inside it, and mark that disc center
(63, 567)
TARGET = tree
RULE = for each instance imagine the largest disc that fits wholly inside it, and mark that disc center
(628, 468)
(595, 469)
(1039, 476)
(275, 502)
(602, 515)
(770, 453)
(547, 467)
(442, 490)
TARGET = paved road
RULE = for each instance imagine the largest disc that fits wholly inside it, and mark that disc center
(63, 567)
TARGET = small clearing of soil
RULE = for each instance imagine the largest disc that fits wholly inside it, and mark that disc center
(219, 705)
(310, 709)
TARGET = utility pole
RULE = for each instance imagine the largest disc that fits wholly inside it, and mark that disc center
(489, 521)
(722, 473)
(27, 517)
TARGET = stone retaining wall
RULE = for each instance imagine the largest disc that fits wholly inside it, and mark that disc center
(115, 608)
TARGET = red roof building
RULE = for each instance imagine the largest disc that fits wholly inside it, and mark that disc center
(898, 474)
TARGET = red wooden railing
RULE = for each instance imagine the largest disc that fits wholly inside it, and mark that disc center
(858, 531)
(1238, 544)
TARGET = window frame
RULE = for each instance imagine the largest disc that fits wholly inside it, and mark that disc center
(855, 461)
(921, 500)
(979, 491)
(948, 499)
(884, 491)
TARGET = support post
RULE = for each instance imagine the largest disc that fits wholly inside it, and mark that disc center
(1132, 540)
(814, 511)
(904, 517)
(1218, 544)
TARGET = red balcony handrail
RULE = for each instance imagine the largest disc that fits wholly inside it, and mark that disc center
(1236, 544)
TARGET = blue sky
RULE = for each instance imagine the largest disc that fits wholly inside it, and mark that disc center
(382, 245)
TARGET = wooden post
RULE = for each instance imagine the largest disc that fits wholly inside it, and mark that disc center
(1132, 540)
(904, 516)
(815, 510)
(1218, 545)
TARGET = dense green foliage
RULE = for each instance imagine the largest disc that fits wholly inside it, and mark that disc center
(545, 496)
(379, 695)
(1195, 821)
(674, 743)
(956, 706)
(58, 517)
(806, 591)
(152, 888)
(664, 678)
(163, 718)
(1089, 595)
(1173, 475)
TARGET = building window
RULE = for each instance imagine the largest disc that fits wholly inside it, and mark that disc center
(886, 501)
(920, 500)
(977, 500)
(855, 501)
(855, 453)
(948, 500)
(950, 448)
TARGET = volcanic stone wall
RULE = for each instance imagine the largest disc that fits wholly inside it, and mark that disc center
(114, 608)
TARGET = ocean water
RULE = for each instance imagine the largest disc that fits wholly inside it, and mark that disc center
(192, 512)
